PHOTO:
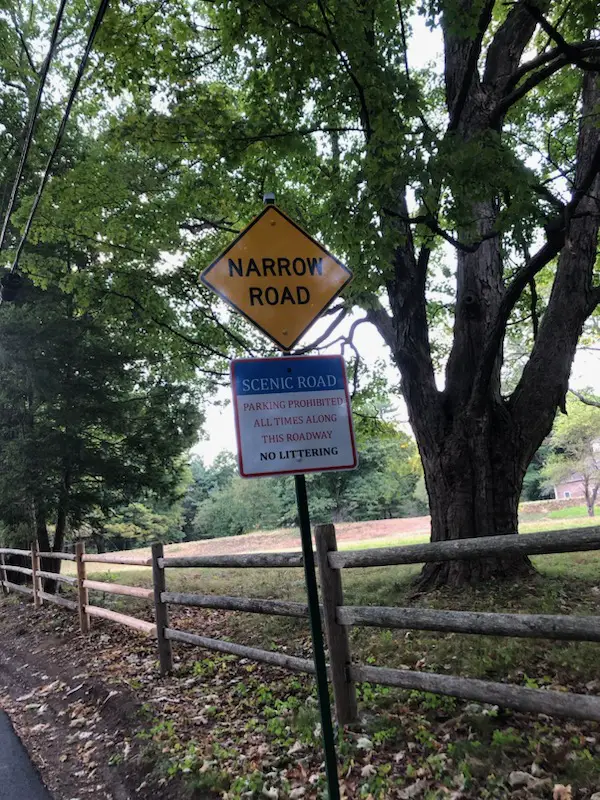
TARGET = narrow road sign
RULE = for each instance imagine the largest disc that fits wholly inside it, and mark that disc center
(277, 276)
(292, 415)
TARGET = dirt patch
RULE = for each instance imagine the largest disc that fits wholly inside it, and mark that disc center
(288, 539)
(81, 729)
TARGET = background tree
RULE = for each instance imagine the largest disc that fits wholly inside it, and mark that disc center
(103, 368)
(382, 487)
(534, 483)
(575, 453)
(88, 420)
(203, 481)
(138, 524)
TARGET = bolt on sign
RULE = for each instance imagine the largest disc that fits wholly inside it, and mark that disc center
(292, 415)
(277, 276)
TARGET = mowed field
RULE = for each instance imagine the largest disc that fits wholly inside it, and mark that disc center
(355, 535)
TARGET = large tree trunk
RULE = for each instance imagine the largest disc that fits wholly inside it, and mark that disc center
(474, 483)
(476, 444)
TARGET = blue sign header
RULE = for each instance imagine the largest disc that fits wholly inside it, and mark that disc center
(288, 375)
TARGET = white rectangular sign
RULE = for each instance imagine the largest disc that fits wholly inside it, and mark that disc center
(292, 415)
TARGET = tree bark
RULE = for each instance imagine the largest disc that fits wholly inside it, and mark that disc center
(43, 539)
(591, 494)
(474, 481)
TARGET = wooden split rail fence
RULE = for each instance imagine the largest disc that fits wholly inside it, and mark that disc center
(338, 617)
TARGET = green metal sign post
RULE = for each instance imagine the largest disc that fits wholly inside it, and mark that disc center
(314, 611)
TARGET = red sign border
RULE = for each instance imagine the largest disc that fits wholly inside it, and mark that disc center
(208, 284)
(295, 471)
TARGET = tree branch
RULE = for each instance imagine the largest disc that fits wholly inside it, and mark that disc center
(507, 46)
(545, 378)
(470, 66)
(301, 26)
(208, 224)
(556, 232)
(526, 87)
(545, 58)
(330, 329)
(587, 400)
(403, 34)
(551, 61)
(179, 334)
(571, 52)
(24, 47)
(431, 222)
(380, 318)
(513, 291)
(346, 64)
(535, 317)
(299, 132)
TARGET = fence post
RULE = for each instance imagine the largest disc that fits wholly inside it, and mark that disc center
(82, 592)
(3, 576)
(344, 691)
(165, 652)
(35, 578)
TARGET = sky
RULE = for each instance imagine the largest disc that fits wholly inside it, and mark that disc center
(425, 49)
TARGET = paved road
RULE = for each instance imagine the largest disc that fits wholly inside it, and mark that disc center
(18, 778)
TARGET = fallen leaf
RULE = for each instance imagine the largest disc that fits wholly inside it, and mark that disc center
(562, 792)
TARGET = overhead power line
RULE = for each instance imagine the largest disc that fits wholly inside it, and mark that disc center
(61, 130)
(32, 120)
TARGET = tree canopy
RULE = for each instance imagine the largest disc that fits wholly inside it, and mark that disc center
(462, 192)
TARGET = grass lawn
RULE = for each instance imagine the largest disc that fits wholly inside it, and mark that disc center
(574, 512)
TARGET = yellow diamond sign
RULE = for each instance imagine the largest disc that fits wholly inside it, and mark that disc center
(277, 276)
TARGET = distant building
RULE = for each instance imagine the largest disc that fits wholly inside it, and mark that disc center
(574, 486)
(571, 488)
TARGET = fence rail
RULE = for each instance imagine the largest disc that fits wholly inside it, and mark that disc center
(538, 701)
(234, 561)
(533, 544)
(119, 588)
(107, 558)
(343, 672)
(536, 626)
(122, 619)
(280, 608)
(264, 656)
(58, 556)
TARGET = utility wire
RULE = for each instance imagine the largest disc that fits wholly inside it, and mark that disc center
(32, 120)
(61, 130)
